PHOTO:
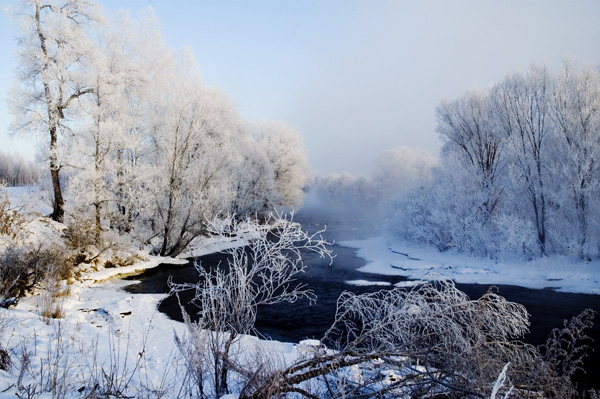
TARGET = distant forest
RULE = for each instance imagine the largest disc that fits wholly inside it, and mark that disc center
(17, 171)
(518, 172)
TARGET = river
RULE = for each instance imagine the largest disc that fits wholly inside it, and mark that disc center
(292, 323)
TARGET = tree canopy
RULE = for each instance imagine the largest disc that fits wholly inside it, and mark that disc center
(134, 140)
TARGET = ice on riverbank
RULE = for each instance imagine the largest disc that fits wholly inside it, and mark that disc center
(415, 262)
(366, 283)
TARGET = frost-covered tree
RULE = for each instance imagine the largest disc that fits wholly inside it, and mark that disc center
(369, 200)
(466, 125)
(522, 103)
(55, 46)
(445, 211)
(99, 131)
(399, 168)
(253, 179)
(17, 171)
(108, 148)
(463, 198)
(283, 146)
(152, 151)
(576, 111)
(344, 192)
(192, 131)
(150, 63)
(519, 169)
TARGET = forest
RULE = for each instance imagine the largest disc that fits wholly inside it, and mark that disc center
(518, 172)
(519, 169)
(142, 159)
(16, 171)
(134, 142)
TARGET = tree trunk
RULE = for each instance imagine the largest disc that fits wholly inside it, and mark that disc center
(58, 213)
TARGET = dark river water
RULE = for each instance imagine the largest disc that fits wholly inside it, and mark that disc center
(294, 322)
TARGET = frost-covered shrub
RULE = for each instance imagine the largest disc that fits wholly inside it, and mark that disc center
(52, 291)
(515, 235)
(16, 170)
(22, 267)
(80, 234)
(427, 341)
(11, 221)
(5, 359)
(430, 341)
(443, 214)
(563, 355)
(263, 273)
(467, 342)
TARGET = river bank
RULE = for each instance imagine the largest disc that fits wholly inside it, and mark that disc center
(106, 325)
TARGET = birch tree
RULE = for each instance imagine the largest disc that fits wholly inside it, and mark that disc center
(576, 110)
(466, 125)
(99, 131)
(150, 63)
(54, 48)
(109, 148)
(522, 105)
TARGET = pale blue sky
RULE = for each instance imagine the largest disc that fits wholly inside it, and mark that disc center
(356, 77)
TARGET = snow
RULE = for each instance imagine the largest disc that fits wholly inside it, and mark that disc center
(98, 319)
(309, 347)
(207, 245)
(104, 328)
(560, 273)
(107, 330)
(137, 268)
(30, 199)
(365, 283)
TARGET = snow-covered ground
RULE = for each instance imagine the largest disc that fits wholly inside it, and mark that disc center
(105, 330)
(417, 262)
(109, 333)
(30, 199)
(106, 335)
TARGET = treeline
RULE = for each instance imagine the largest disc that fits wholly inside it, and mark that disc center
(17, 171)
(519, 169)
(148, 148)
